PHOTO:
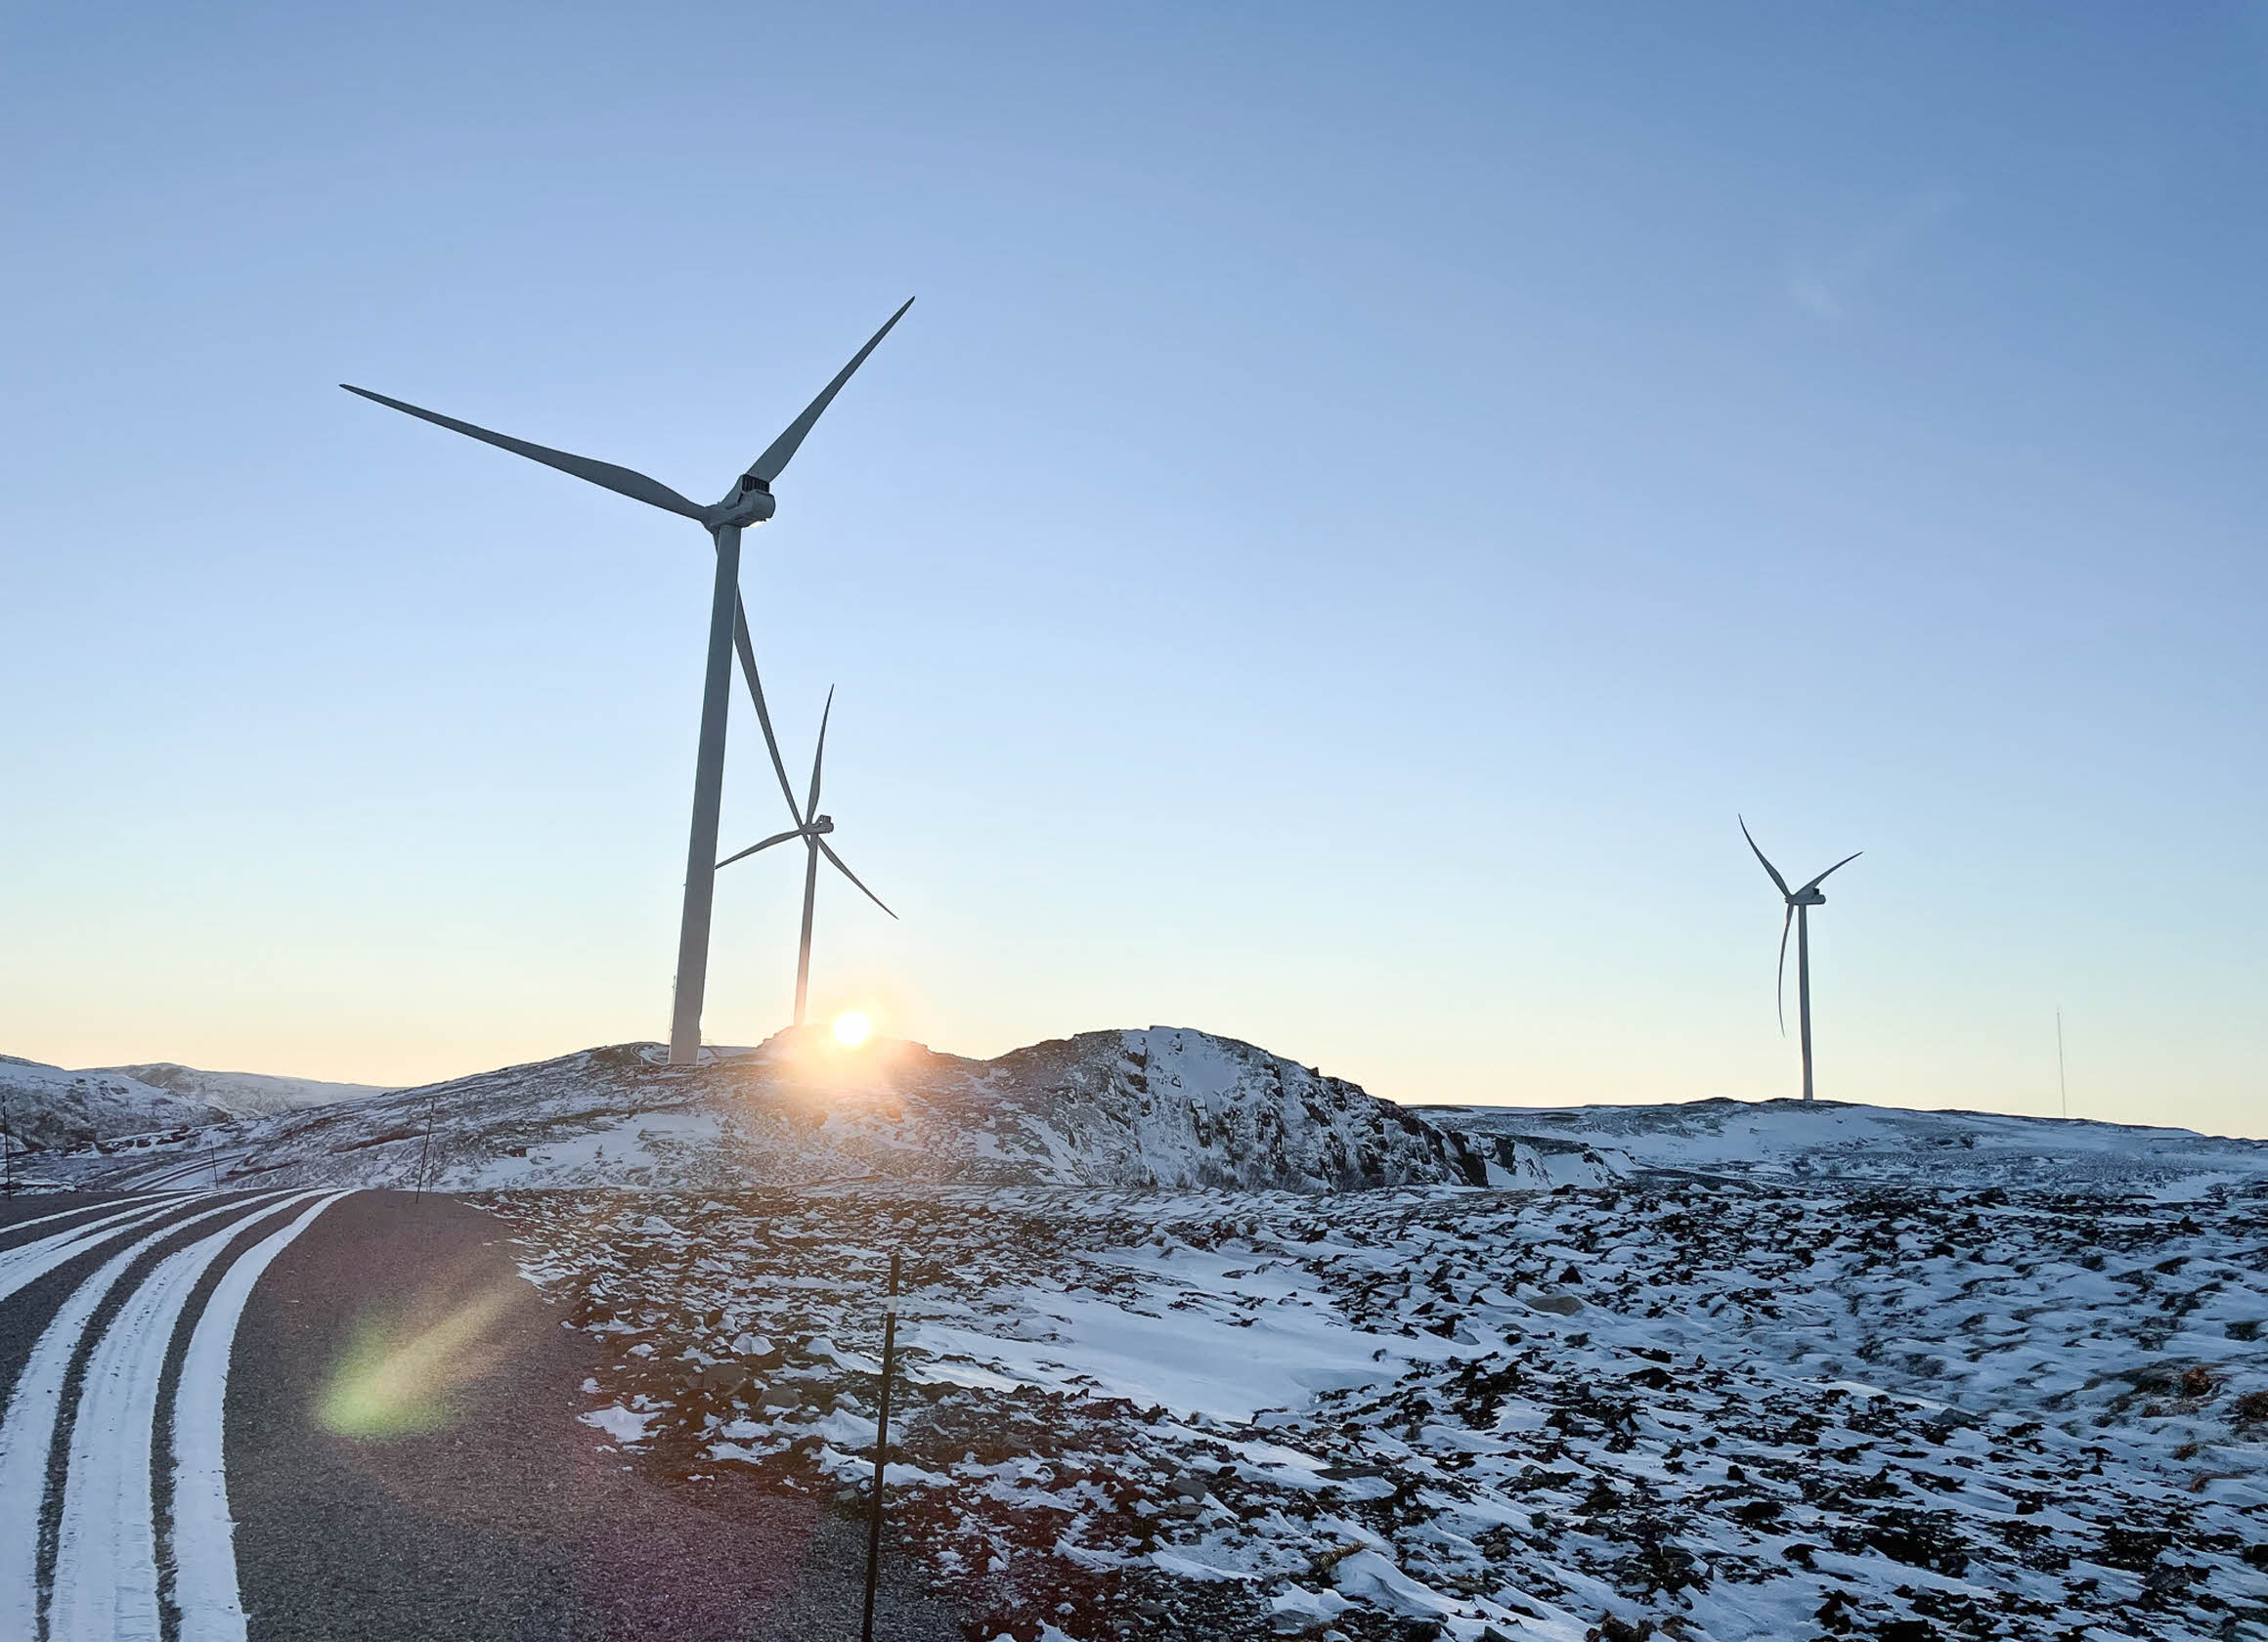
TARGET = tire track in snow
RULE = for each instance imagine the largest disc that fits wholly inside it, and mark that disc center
(205, 1592)
(105, 1580)
(174, 1174)
(27, 1263)
(15, 1226)
(28, 1427)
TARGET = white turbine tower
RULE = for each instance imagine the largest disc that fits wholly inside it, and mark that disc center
(812, 827)
(1799, 903)
(748, 503)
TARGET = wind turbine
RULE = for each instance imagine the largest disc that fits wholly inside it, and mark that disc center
(812, 827)
(747, 504)
(1800, 904)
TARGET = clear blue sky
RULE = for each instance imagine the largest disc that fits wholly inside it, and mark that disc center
(1365, 496)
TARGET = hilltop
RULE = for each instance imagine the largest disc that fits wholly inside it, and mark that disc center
(1162, 1107)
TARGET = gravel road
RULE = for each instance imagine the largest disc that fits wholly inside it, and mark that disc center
(390, 1416)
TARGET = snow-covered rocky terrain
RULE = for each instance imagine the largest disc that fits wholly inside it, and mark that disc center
(1199, 1343)
(48, 1106)
(1161, 1107)
(1696, 1403)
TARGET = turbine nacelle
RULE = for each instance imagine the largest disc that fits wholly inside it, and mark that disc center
(820, 826)
(1808, 895)
(750, 503)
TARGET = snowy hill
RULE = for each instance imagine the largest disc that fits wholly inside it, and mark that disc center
(242, 1094)
(51, 1107)
(1828, 1140)
(1161, 1107)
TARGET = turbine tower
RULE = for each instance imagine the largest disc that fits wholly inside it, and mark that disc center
(812, 827)
(1800, 904)
(747, 504)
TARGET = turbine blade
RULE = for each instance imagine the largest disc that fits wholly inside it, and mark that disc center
(777, 838)
(782, 450)
(1837, 867)
(1780, 992)
(1768, 866)
(812, 805)
(747, 649)
(854, 877)
(623, 481)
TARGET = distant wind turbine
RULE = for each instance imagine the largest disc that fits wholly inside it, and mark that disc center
(812, 827)
(748, 503)
(1800, 904)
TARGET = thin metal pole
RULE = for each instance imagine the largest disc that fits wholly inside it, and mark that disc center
(213, 1162)
(804, 948)
(708, 805)
(6, 1147)
(1804, 987)
(423, 1151)
(881, 1454)
(2063, 1089)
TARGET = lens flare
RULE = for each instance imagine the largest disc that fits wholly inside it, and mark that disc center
(402, 1377)
(852, 1028)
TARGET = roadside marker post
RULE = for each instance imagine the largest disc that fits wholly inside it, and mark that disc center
(424, 1150)
(881, 1454)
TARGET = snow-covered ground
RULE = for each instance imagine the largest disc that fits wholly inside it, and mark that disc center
(1202, 1343)
(1732, 1397)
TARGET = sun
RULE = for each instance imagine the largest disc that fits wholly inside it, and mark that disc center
(852, 1028)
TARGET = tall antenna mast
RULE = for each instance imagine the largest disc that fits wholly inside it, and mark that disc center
(2063, 1090)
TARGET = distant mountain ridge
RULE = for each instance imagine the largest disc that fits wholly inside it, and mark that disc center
(51, 1107)
(246, 1094)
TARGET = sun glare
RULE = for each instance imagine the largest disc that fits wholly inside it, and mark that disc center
(852, 1028)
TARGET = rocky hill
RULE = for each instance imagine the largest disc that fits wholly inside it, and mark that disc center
(50, 1107)
(1161, 1107)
